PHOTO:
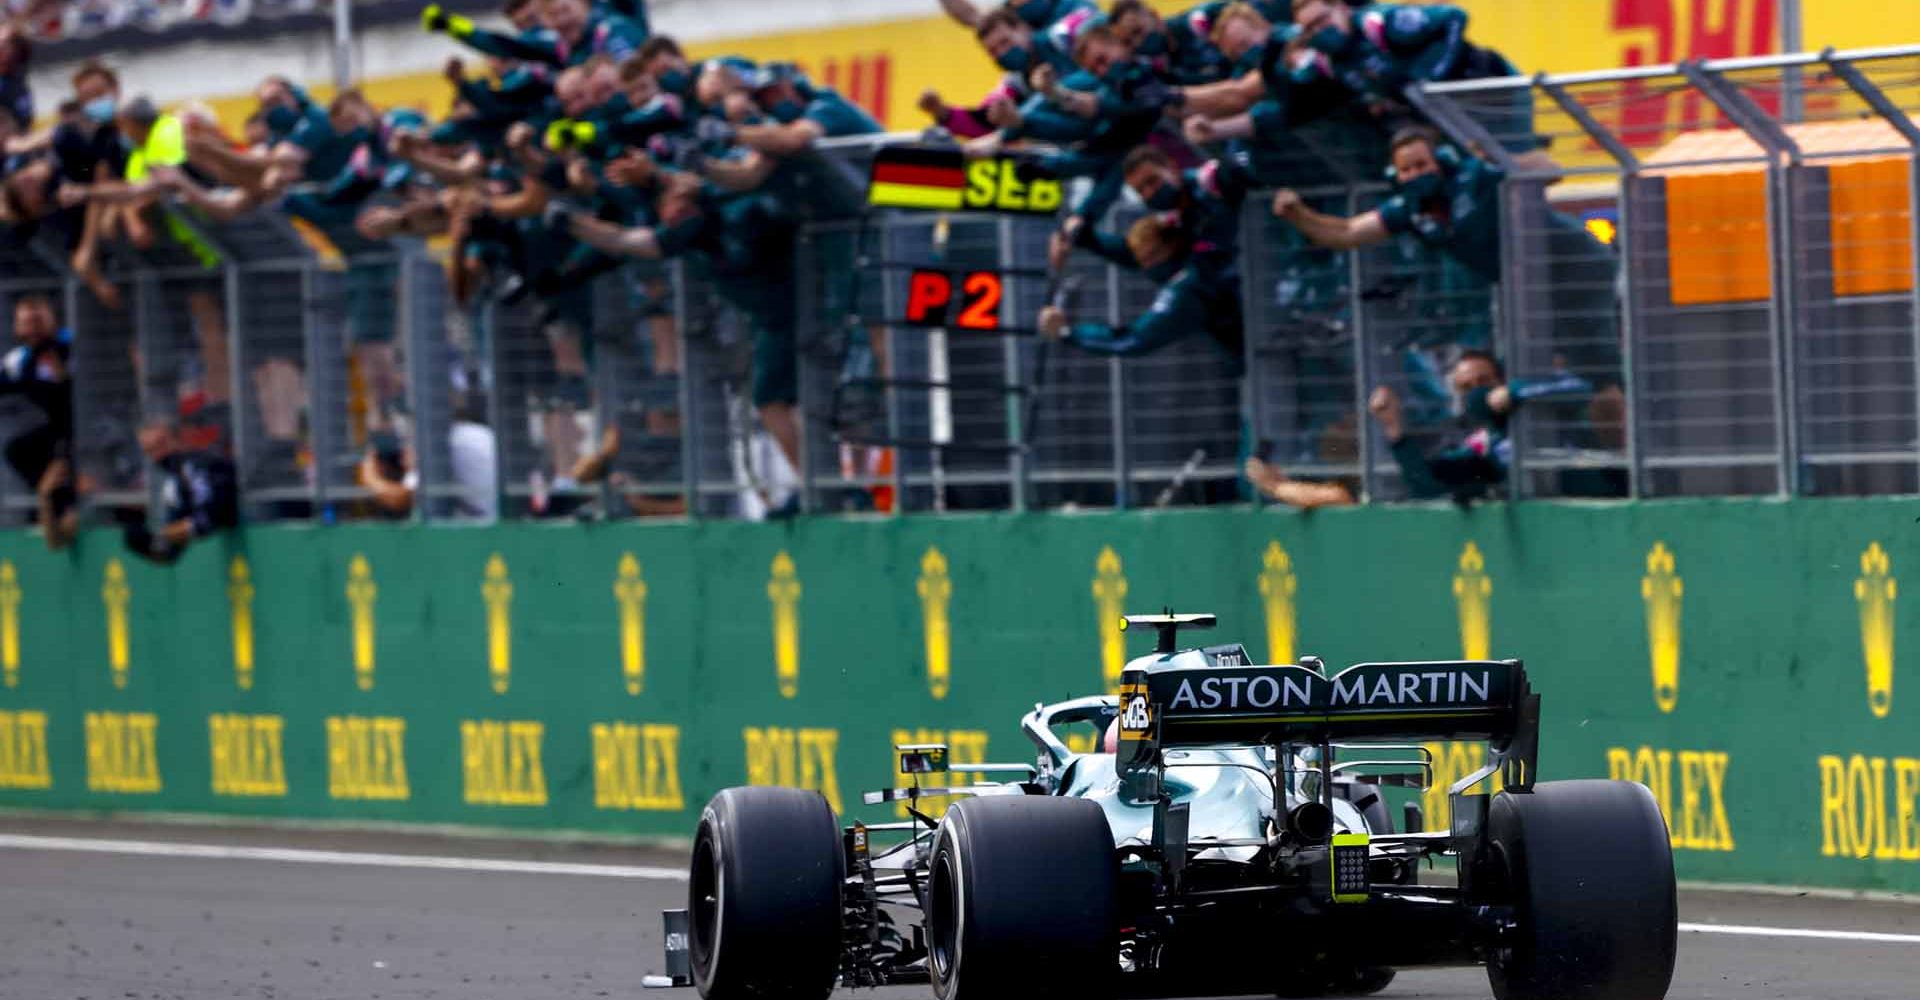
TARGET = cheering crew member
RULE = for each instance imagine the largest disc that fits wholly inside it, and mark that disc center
(1033, 13)
(574, 34)
(1378, 50)
(1451, 202)
(37, 369)
(1475, 459)
(199, 495)
(1187, 247)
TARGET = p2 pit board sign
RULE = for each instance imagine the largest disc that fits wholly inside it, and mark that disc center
(941, 180)
(967, 300)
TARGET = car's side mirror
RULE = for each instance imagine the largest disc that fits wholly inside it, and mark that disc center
(923, 758)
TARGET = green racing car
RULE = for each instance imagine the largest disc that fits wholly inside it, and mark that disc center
(1231, 837)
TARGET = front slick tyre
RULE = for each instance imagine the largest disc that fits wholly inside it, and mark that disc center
(1589, 871)
(763, 901)
(1021, 900)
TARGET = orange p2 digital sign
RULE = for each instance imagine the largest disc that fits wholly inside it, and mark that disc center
(972, 300)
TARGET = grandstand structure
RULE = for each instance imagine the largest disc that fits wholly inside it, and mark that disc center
(1766, 311)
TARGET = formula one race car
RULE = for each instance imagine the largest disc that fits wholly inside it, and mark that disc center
(1233, 838)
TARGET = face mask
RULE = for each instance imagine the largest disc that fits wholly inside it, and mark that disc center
(787, 111)
(1329, 40)
(1016, 59)
(1476, 408)
(1165, 199)
(281, 119)
(676, 81)
(99, 110)
(1154, 44)
(1423, 188)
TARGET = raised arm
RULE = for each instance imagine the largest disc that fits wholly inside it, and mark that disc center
(962, 11)
(777, 139)
(1226, 98)
(607, 237)
(1330, 231)
(744, 174)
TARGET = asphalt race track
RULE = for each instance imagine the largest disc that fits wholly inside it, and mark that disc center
(181, 913)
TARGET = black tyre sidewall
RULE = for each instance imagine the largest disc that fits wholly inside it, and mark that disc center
(780, 869)
(1035, 908)
(1589, 869)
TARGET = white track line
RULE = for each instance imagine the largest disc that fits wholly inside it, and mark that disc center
(1800, 932)
(220, 852)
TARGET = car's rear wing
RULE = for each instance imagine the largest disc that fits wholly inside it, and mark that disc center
(1163, 705)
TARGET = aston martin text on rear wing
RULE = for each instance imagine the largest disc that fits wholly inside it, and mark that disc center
(1191, 706)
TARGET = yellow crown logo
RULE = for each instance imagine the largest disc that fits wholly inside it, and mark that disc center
(1473, 598)
(9, 624)
(1110, 605)
(361, 593)
(936, 593)
(1277, 587)
(1875, 590)
(116, 595)
(630, 591)
(240, 602)
(783, 592)
(1662, 589)
(497, 590)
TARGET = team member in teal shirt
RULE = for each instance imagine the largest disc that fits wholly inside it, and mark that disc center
(1451, 202)
(747, 244)
(574, 32)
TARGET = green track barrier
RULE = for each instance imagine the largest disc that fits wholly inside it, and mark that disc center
(1738, 657)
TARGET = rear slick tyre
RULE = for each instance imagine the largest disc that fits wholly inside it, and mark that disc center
(763, 896)
(1021, 900)
(1588, 869)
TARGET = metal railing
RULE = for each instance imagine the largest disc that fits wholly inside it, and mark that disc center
(1723, 250)
(1766, 295)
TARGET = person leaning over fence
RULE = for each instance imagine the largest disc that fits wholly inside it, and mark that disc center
(1474, 458)
(1379, 50)
(776, 134)
(747, 243)
(37, 369)
(1450, 201)
(1037, 14)
(1185, 246)
(575, 32)
(199, 495)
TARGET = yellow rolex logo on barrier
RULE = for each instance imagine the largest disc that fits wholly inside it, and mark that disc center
(783, 592)
(116, 595)
(247, 756)
(1110, 605)
(794, 758)
(630, 591)
(122, 752)
(9, 624)
(1875, 591)
(367, 759)
(361, 592)
(1662, 590)
(936, 593)
(500, 763)
(23, 751)
(497, 591)
(240, 599)
(636, 767)
(1277, 588)
(1473, 597)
